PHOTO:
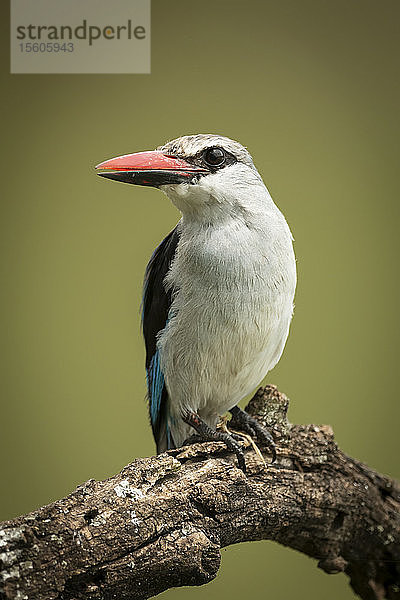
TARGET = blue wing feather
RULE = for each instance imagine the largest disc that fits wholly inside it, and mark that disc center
(155, 383)
(156, 305)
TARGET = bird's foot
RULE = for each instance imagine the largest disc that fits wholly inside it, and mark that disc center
(206, 433)
(251, 426)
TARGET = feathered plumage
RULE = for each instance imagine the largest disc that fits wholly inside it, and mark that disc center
(219, 289)
(155, 308)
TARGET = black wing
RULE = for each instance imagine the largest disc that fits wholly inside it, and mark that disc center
(156, 305)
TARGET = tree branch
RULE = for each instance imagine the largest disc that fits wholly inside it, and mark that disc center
(162, 521)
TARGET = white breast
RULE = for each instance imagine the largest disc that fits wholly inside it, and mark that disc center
(234, 288)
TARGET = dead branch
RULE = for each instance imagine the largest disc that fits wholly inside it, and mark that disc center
(162, 521)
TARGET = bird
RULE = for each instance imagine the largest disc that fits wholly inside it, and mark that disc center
(218, 291)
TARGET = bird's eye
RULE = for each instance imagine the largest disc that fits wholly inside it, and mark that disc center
(214, 157)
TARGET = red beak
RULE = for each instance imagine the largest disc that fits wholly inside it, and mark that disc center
(149, 168)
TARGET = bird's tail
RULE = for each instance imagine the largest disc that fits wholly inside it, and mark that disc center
(164, 439)
(162, 430)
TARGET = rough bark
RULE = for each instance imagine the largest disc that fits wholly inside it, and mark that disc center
(162, 521)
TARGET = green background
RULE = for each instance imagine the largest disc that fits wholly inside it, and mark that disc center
(312, 88)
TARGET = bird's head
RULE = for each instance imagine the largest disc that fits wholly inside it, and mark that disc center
(201, 173)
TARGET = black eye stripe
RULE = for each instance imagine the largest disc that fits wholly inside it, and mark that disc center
(200, 161)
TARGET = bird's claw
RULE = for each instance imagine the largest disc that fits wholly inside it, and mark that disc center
(206, 433)
(252, 427)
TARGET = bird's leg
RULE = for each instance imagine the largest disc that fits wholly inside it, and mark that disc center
(206, 433)
(253, 428)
